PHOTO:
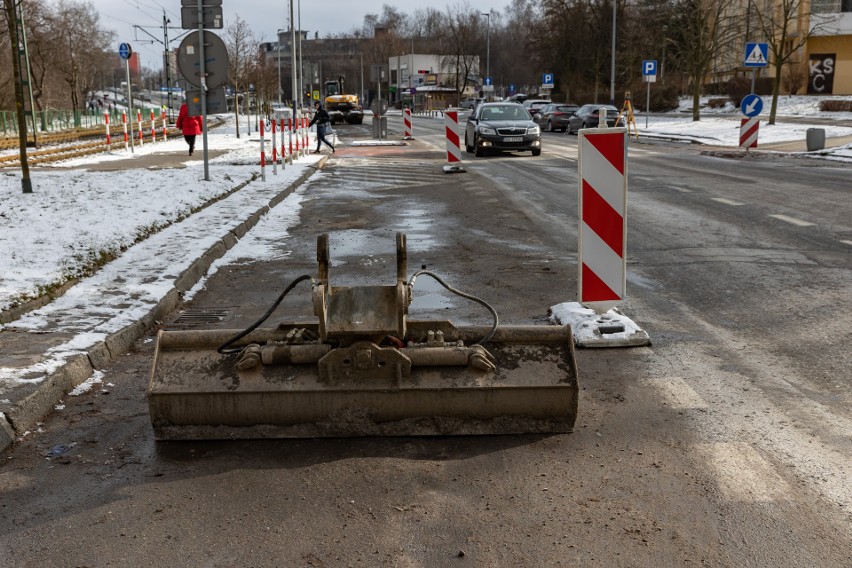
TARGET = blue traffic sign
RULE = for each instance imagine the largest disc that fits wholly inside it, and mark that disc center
(756, 54)
(751, 105)
(511, 88)
(125, 51)
(487, 81)
(649, 67)
(547, 79)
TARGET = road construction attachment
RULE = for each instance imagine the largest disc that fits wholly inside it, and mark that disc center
(363, 369)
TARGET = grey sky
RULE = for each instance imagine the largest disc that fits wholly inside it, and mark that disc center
(264, 16)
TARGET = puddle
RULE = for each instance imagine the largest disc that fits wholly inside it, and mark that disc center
(429, 295)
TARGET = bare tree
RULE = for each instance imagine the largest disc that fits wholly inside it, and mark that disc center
(783, 29)
(707, 29)
(242, 50)
(463, 39)
(10, 8)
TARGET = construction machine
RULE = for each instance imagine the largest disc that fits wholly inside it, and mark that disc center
(342, 107)
(363, 368)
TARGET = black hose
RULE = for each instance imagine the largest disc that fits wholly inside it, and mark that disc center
(223, 349)
(490, 334)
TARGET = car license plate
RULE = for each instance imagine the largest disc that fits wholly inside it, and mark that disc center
(513, 139)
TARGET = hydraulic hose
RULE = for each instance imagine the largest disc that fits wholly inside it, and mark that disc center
(223, 349)
(490, 334)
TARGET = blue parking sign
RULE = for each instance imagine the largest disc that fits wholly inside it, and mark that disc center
(547, 79)
(649, 67)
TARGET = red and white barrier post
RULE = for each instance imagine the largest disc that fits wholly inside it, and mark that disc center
(451, 126)
(106, 124)
(262, 152)
(748, 132)
(165, 126)
(153, 127)
(283, 143)
(306, 136)
(124, 124)
(274, 150)
(602, 235)
(297, 134)
(406, 124)
(141, 132)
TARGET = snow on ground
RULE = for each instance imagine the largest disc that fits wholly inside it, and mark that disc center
(78, 219)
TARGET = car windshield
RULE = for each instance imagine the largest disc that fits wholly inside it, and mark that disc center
(507, 112)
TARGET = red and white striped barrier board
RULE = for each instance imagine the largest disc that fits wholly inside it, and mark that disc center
(124, 123)
(602, 235)
(451, 126)
(406, 124)
(748, 132)
(106, 123)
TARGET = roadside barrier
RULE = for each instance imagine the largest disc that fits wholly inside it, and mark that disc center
(451, 126)
(262, 151)
(306, 134)
(106, 125)
(406, 124)
(748, 132)
(141, 132)
(602, 234)
(274, 150)
(165, 125)
(283, 147)
(124, 123)
(153, 127)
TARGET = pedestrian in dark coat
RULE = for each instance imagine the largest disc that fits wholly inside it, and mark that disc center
(322, 120)
(191, 126)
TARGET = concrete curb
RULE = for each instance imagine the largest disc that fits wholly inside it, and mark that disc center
(34, 407)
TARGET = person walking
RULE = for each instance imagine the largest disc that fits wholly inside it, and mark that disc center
(191, 126)
(322, 120)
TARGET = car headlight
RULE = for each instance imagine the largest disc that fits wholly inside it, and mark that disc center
(535, 130)
(486, 130)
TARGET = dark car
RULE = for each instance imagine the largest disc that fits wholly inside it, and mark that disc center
(555, 116)
(534, 106)
(501, 126)
(470, 102)
(587, 117)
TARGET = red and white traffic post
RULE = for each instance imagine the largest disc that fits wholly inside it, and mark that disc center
(153, 127)
(124, 124)
(165, 126)
(748, 132)
(262, 151)
(106, 124)
(283, 142)
(406, 124)
(295, 134)
(451, 126)
(602, 235)
(274, 150)
(141, 132)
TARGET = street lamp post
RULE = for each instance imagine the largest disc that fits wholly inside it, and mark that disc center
(488, 45)
(612, 62)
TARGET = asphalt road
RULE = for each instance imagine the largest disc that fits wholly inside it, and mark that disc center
(725, 443)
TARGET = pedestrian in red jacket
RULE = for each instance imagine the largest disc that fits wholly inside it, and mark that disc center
(191, 126)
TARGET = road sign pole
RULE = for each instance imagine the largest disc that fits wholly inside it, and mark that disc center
(647, 104)
(129, 101)
(203, 89)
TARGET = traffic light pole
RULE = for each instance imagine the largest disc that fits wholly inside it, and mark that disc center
(203, 89)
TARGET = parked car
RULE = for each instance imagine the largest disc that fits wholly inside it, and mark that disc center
(587, 117)
(470, 102)
(516, 98)
(555, 116)
(535, 105)
(501, 126)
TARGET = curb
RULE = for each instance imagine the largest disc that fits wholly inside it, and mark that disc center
(34, 407)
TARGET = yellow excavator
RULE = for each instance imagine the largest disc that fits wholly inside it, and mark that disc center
(342, 107)
(363, 368)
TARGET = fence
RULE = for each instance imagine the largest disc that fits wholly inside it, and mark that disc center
(59, 120)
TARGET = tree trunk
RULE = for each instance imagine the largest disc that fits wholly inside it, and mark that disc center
(12, 20)
(776, 86)
(696, 100)
(237, 108)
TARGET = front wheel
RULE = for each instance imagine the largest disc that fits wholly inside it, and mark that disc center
(478, 151)
(537, 152)
(467, 147)
(549, 126)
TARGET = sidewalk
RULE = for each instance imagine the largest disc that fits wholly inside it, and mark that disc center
(48, 352)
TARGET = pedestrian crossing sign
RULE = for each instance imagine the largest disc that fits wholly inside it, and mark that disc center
(756, 54)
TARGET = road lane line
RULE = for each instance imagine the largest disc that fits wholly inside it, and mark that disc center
(743, 475)
(726, 201)
(847, 243)
(792, 220)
